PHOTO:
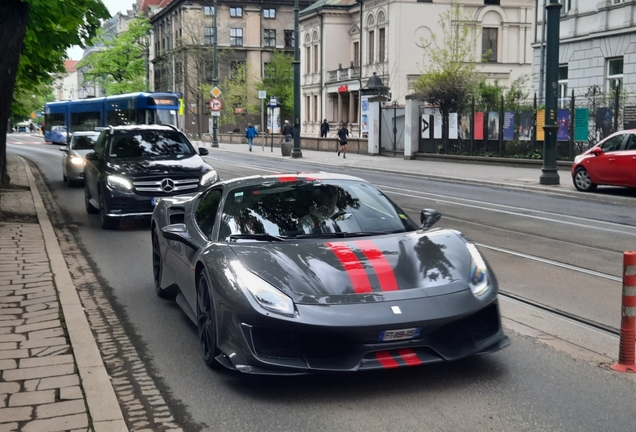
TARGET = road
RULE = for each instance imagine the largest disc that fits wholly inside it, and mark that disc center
(564, 253)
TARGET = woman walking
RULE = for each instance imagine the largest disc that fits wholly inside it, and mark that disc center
(250, 133)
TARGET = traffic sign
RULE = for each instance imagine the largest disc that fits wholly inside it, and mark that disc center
(216, 104)
(273, 102)
(215, 113)
(216, 92)
(262, 94)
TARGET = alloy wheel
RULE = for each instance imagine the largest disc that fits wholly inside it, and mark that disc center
(157, 268)
(206, 322)
(582, 180)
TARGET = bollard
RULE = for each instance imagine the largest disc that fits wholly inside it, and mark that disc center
(626, 361)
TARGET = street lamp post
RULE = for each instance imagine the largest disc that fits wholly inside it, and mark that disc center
(549, 175)
(215, 77)
(296, 152)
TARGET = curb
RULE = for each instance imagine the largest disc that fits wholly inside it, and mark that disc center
(103, 407)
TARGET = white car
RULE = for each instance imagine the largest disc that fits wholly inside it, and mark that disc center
(73, 160)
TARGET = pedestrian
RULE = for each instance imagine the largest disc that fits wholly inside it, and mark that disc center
(324, 129)
(343, 133)
(288, 131)
(250, 133)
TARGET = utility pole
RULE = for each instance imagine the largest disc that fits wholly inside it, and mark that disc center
(549, 175)
(215, 77)
(296, 152)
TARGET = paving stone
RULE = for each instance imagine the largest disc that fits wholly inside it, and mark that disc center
(8, 364)
(44, 300)
(49, 333)
(31, 385)
(11, 311)
(58, 382)
(38, 372)
(36, 307)
(16, 414)
(8, 427)
(5, 330)
(46, 361)
(14, 354)
(57, 424)
(38, 326)
(32, 398)
(11, 323)
(11, 299)
(47, 342)
(36, 295)
(9, 387)
(12, 337)
(50, 351)
(74, 392)
(8, 345)
(60, 408)
(38, 313)
(50, 316)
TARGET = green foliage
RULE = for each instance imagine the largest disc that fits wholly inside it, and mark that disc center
(121, 66)
(488, 96)
(279, 82)
(27, 102)
(237, 89)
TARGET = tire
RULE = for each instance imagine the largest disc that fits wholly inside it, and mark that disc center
(64, 178)
(582, 180)
(157, 269)
(90, 208)
(206, 323)
(108, 223)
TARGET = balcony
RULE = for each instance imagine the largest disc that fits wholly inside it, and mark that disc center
(343, 74)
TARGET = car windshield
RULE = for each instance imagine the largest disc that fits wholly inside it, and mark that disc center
(150, 144)
(305, 209)
(84, 142)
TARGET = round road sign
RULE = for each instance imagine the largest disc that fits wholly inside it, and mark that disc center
(216, 104)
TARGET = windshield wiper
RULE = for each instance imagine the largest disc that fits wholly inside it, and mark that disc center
(260, 237)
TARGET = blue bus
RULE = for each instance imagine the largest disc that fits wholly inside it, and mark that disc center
(92, 113)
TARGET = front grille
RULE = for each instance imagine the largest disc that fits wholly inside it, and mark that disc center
(474, 328)
(289, 345)
(154, 185)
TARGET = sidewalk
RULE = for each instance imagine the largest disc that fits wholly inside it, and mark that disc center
(52, 374)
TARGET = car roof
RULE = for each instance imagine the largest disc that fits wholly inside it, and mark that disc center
(153, 127)
(82, 133)
(286, 177)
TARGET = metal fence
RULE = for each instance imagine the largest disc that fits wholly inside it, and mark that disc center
(517, 131)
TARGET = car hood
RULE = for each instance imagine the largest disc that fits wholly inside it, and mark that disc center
(362, 269)
(81, 153)
(135, 167)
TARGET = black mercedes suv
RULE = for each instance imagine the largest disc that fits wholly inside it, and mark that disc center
(132, 167)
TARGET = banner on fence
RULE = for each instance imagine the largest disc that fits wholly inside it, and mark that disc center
(437, 126)
(478, 133)
(603, 122)
(509, 125)
(581, 124)
(563, 121)
(452, 125)
(629, 117)
(525, 126)
(493, 125)
(540, 124)
(464, 126)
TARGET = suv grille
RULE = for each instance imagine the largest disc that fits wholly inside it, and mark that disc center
(166, 185)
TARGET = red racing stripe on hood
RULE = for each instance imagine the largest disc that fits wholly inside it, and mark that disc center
(352, 266)
(386, 360)
(380, 265)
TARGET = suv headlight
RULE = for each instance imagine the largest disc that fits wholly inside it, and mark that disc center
(478, 279)
(266, 295)
(117, 182)
(209, 178)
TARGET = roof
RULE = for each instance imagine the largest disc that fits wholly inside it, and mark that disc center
(70, 65)
(329, 4)
(145, 5)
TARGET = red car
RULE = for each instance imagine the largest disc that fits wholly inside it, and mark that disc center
(610, 162)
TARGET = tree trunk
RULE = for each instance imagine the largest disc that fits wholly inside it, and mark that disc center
(13, 22)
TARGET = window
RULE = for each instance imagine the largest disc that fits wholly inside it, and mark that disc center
(289, 39)
(209, 70)
(371, 42)
(563, 86)
(315, 58)
(489, 44)
(307, 113)
(631, 142)
(316, 109)
(209, 35)
(236, 36)
(178, 72)
(269, 13)
(308, 60)
(381, 42)
(615, 74)
(208, 10)
(613, 144)
(237, 69)
(206, 211)
(356, 54)
(266, 70)
(236, 12)
(269, 38)
(567, 5)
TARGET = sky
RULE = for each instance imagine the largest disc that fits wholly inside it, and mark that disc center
(114, 6)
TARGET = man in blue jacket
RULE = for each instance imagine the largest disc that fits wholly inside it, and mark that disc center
(250, 133)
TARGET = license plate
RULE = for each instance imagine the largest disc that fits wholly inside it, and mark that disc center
(154, 201)
(392, 335)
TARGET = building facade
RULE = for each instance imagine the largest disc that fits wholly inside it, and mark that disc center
(182, 44)
(65, 86)
(346, 42)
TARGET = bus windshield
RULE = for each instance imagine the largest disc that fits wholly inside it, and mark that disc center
(168, 117)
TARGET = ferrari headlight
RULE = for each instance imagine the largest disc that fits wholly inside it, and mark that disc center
(77, 160)
(117, 182)
(266, 295)
(209, 178)
(478, 280)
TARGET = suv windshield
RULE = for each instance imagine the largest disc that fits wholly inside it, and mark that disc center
(150, 144)
(310, 209)
(84, 142)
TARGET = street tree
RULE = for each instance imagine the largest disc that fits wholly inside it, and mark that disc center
(450, 77)
(34, 36)
(238, 92)
(278, 81)
(120, 67)
(28, 101)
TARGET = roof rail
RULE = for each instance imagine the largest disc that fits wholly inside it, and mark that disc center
(112, 131)
(172, 126)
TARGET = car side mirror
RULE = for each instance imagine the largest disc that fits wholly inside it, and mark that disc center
(203, 151)
(179, 232)
(63, 149)
(429, 217)
(92, 156)
(597, 151)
